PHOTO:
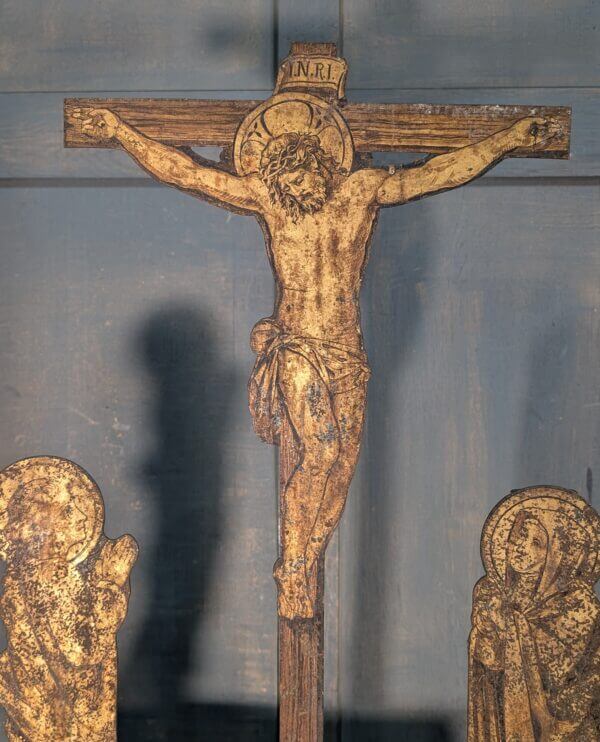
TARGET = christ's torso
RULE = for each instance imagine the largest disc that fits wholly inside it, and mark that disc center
(318, 262)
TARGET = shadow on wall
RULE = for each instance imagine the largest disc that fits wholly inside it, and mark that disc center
(229, 723)
(184, 475)
(414, 729)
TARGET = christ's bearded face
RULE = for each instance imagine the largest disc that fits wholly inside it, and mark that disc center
(298, 173)
(307, 186)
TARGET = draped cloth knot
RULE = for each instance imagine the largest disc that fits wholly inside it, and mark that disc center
(340, 367)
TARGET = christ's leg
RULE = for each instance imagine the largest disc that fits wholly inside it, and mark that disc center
(349, 411)
(310, 412)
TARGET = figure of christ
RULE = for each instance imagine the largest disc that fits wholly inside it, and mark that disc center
(311, 365)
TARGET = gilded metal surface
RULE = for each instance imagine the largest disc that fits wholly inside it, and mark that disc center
(66, 591)
(293, 156)
(534, 649)
(299, 113)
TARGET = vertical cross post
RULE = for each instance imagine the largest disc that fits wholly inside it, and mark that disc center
(300, 641)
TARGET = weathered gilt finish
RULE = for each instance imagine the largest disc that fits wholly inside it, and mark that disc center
(66, 591)
(534, 649)
(293, 162)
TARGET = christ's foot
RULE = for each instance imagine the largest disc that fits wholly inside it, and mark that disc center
(293, 600)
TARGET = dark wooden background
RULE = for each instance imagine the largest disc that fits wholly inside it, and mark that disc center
(125, 310)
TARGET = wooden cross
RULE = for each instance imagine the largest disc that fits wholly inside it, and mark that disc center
(295, 162)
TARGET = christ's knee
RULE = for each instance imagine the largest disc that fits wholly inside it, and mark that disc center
(322, 452)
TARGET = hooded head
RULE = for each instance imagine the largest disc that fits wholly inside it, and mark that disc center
(545, 531)
(51, 510)
(549, 544)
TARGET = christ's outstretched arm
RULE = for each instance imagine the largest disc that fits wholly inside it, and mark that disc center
(459, 167)
(173, 167)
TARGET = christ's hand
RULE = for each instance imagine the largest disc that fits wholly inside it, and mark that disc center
(533, 131)
(459, 167)
(98, 122)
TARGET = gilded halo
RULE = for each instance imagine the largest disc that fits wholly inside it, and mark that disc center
(68, 483)
(292, 112)
(548, 500)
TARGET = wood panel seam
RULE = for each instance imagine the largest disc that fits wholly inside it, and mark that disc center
(141, 182)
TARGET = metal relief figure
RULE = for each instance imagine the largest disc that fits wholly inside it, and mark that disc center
(534, 648)
(66, 591)
(294, 170)
(293, 157)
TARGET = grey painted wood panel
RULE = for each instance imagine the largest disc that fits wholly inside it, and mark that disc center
(482, 326)
(125, 317)
(139, 45)
(309, 20)
(31, 135)
(472, 44)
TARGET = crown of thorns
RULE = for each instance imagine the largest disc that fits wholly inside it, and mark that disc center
(291, 151)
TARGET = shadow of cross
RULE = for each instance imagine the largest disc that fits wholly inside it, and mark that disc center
(299, 162)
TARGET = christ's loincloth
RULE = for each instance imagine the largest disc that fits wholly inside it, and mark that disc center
(340, 367)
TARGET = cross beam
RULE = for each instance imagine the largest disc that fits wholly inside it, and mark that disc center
(375, 127)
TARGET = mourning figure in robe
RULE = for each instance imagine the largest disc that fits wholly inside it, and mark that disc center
(66, 591)
(534, 648)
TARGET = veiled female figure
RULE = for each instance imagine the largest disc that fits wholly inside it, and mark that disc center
(534, 649)
(65, 595)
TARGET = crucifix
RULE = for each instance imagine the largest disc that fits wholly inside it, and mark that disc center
(299, 162)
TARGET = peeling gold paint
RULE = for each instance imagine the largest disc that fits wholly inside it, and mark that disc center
(534, 649)
(66, 591)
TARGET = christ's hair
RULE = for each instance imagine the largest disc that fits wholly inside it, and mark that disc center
(289, 152)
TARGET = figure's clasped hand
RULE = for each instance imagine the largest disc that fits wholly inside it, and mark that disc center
(99, 123)
(535, 131)
(116, 560)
